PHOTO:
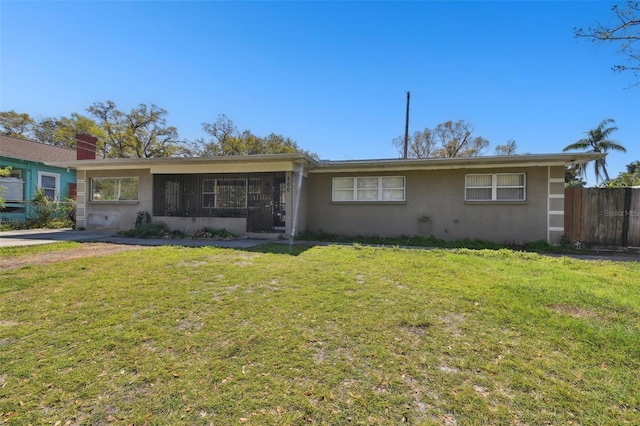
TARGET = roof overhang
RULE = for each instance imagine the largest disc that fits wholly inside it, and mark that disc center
(220, 164)
(299, 162)
(527, 160)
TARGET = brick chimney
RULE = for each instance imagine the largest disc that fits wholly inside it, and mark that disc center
(86, 148)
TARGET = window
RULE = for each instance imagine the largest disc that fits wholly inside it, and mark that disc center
(224, 193)
(366, 189)
(231, 195)
(495, 187)
(13, 186)
(49, 183)
(114, 189)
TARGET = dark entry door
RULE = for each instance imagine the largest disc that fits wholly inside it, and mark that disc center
(265, 203)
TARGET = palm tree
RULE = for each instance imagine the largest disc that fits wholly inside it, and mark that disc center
(597, 141)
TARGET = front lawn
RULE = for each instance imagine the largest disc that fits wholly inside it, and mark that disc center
(324, 335)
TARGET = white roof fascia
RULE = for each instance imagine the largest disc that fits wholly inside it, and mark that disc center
(513, 161)
(231, 163)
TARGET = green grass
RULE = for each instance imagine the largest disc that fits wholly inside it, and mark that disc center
(320, 335)
(40, 248)
(431, 241)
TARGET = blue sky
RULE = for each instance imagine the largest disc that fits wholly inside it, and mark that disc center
(331, 75)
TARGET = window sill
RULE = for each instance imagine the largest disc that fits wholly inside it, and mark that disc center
(100, 203)
(517, 203)
(369, 203)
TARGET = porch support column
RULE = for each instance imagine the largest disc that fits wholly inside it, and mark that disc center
(288, 218)
(297, 177)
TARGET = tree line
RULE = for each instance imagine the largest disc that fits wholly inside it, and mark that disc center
(142, 132)
(449, 139)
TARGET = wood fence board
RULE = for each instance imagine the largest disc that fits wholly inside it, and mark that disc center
(634, 219)
(597, 216)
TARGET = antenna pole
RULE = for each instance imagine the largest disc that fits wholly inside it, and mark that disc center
(406, 127)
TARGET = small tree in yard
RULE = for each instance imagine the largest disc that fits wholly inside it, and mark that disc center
(627, 179)
(3, 173)
(48, 213)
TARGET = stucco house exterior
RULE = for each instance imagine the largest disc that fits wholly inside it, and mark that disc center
(29, 173)
(510, 199)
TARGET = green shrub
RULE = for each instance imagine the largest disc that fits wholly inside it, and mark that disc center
(431, 241)
(48, 213)
(211, 233)
(147, 230)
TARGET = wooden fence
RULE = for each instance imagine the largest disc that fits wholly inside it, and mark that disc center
(602, 216)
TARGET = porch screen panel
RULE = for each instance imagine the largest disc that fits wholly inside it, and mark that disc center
(209, 194)
(231, 193)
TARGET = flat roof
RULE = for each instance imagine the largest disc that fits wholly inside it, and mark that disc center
(157, 165)
(525, 160)
(145, 163)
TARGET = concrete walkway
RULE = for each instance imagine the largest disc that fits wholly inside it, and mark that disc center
(28, 237)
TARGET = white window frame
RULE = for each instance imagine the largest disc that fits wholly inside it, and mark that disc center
(97, 200)
(494, 187)
(56, 176)
(380, 189)
(216, 202)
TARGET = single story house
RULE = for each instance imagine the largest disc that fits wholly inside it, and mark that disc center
(29, 173)
(499, 198)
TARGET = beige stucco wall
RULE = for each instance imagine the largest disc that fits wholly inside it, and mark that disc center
(434, 206)
(117, 215)
(120, 216)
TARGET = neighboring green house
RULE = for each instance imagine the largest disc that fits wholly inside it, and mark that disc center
(29, 173)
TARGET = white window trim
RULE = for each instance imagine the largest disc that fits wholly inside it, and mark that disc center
(494, 187)
(93, 192)
(354, 197)
(56, 176)
(215, 194)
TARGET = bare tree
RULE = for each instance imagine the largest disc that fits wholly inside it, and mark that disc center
(507, 149)
(421, 144)
(457, 140)
(226, 140)
(624, 32)
(448, 139)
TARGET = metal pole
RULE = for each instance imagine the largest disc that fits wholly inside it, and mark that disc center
(406, 127)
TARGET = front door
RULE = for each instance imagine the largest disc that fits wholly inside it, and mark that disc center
(266, 203)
